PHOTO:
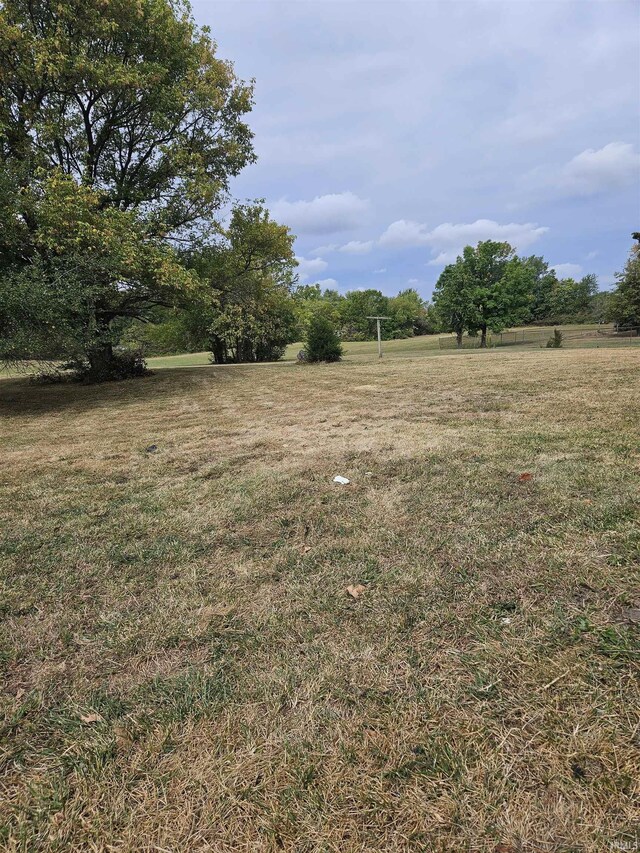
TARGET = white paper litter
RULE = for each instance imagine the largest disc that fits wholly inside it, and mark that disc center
(342, 480)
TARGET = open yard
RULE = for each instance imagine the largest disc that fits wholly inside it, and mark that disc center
(183, 668)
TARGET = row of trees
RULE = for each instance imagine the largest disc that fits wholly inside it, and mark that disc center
(254, 317)
(490, 288)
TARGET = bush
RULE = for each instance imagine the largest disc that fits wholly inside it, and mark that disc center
(555, 342)
(127, 364)
(322, 342)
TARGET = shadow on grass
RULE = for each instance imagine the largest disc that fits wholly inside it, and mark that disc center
(19, 396)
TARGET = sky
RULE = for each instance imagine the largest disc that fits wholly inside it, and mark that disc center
(390, 135)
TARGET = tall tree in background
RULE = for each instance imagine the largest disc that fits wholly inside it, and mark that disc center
(354, 309)
(543, 283)
(500, 287)
(452, 300)
(625, 300)
(488, 288)
(248, 272)
(119, 132)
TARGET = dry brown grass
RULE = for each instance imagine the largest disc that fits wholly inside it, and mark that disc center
(190, 604)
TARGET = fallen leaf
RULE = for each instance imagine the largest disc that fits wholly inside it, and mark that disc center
(355, 591)
(306, 549)
(523, 478)
(91, 718)
(504, 848)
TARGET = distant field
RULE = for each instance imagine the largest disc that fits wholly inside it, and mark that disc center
(425, 345)
(185, 669)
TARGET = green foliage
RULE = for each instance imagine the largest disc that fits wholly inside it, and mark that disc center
(543, 283)
(601, 307)
(248, 274)
(570, 300)
(488, 287)
(625, 300)
(452, 300)
(408, 314)
(119, 132)
(354, 309)
(127, 364)
(322, 342)
(555, 341)
(168, 332)
(256, 329)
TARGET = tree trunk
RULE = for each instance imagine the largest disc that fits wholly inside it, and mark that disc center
(101, 360)
(483, 338)
(218, 350)
(459, 339)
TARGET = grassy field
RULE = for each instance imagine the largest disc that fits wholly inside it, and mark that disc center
(425, 345)
(184, 669)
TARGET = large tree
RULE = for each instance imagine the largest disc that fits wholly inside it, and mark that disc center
(501, 286)
(119, 132)
(488, 288)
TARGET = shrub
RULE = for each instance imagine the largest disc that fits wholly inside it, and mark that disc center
(555, 342)
(322, 342)
(126, 364)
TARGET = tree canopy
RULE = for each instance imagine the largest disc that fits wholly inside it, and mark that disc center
(488, 287)
(120, 130)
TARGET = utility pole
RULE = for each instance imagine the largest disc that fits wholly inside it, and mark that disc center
(377, 319)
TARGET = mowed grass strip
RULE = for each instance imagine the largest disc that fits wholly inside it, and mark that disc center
(183, 668)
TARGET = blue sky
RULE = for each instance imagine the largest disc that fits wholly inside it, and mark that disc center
(391, 134)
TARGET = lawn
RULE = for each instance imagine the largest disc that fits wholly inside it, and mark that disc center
(183, 666)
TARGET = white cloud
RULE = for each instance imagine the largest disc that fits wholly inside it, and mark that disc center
(325, 214)
(324, 250)
(592, 255)
(327, 282)
(592, 172)
(380, 271)
(308, 267)
(357, 247)
(404, 233)
(414, 281)
(598, 170)
(567, 270)
(447, 240)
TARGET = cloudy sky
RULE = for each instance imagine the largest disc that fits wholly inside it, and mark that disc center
(391, 134)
